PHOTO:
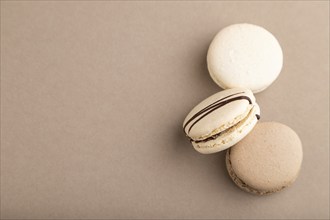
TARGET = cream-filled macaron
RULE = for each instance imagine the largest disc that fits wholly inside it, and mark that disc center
(267, 160)
(246, 56)
(221, 120)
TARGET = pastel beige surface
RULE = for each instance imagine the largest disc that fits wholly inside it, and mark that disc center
(93, 96)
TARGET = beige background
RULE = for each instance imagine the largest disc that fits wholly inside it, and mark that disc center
(94, 94)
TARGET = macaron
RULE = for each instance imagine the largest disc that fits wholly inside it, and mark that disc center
(221, 120)
(246, 56)
(267, 160)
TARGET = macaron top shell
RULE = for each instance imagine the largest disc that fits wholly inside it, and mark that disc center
(246, 56)
(268, 158)
(208, 118)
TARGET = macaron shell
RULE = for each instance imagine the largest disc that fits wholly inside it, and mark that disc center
(244, 55)
(231, 138)
(242, 184)
(269, 158)
(224, 116)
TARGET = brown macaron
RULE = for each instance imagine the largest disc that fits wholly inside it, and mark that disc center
(267, 160)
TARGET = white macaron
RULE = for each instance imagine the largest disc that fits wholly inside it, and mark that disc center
(221, 120)
(245, 56)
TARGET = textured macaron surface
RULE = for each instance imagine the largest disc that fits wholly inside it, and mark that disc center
(268, 158)
(218, 112)
(244, 55)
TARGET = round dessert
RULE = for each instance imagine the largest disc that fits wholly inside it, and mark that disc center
(221, 120)
(246, 56)
(267, 160)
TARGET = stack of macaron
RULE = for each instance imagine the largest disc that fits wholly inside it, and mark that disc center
(262, 158)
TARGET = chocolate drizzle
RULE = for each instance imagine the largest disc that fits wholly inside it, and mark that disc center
(220, 133)
(212, 107)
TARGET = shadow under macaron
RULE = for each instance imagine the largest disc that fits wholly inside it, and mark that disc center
(206, 84)
(204, 75)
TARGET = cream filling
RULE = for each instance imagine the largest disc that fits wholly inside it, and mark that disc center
(227, 126)
(231, 136)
